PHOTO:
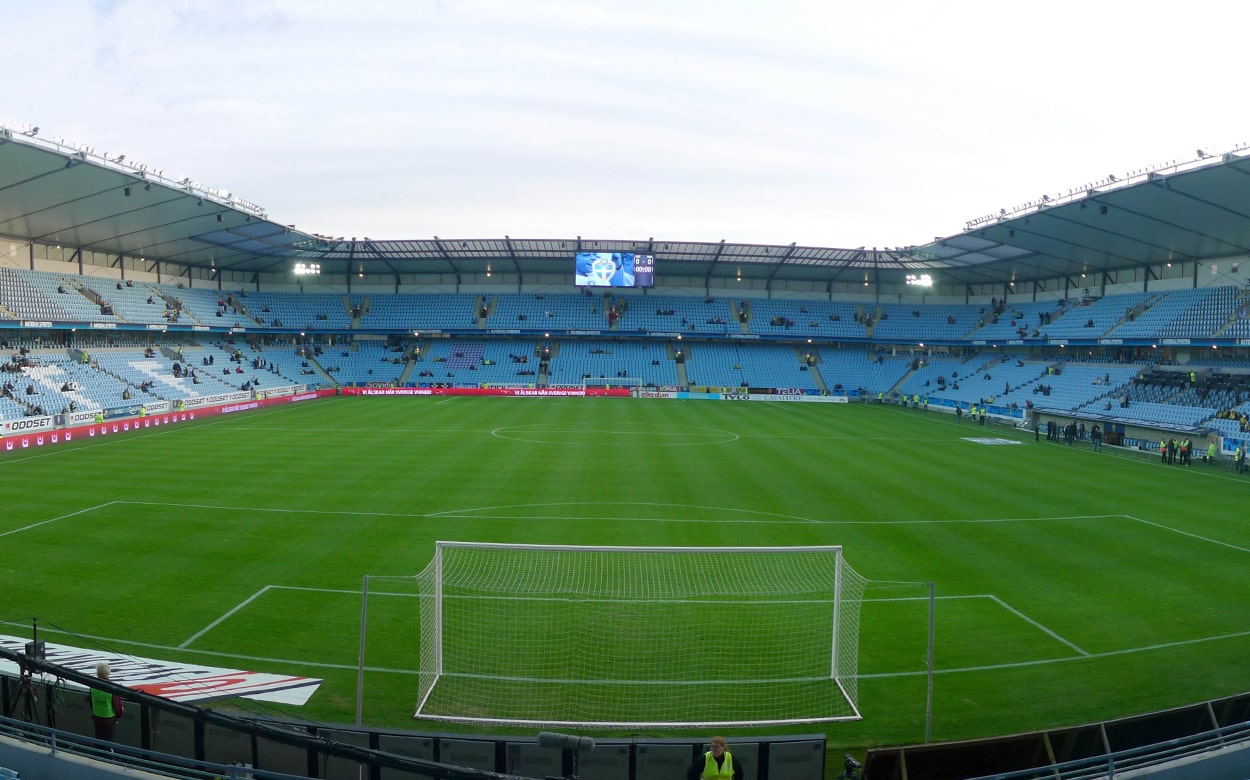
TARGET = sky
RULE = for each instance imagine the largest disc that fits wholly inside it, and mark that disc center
(830, 123)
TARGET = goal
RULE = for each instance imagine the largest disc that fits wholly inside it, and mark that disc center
(634, 637)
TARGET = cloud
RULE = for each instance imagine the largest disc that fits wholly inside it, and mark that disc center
(825, 123)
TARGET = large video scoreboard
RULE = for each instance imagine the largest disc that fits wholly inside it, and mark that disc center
(614, 269)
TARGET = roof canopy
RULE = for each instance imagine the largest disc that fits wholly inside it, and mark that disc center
(56, 194)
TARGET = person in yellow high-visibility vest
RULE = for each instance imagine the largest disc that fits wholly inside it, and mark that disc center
(716, 764)
(106, 708)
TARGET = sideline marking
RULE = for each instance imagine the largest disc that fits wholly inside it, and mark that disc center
(136, 435)
(863, 676)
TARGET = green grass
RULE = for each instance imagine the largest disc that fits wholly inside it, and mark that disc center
(1072, 586)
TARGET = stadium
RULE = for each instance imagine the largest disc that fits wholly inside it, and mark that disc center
(662, 428)
(208, 449)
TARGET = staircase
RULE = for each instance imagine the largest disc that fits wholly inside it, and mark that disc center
(683, 378)
(482, 305)
(1234, 316)
(357, 316)
(744, 315)
(801, 354)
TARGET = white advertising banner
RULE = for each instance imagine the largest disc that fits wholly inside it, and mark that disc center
(174, 680)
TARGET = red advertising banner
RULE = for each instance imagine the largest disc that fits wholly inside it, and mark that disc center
(23, 441)
(515, 392)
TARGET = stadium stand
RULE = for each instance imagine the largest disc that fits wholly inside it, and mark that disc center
(645, 363)
(855, 369)
(606, 336)
(750, 365)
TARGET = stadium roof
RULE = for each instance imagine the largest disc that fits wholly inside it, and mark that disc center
(1192, 211)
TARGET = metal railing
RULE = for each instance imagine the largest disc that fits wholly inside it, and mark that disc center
(56, 742)
(1111, 764)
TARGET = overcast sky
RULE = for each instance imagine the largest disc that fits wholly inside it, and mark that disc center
(827, 123)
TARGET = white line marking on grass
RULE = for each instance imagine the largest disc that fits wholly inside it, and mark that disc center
(473, 513)
(997, 601)
(224, 617)
(1034, 623)
(448, 399)
(973, 521)
(1069, 659)
(54, 519)
(1190, 534)
(596, 519)
(121, 437)
(657, 683)
(577, 600)
(462, 513)
(518, 431)
(105, 641)
(278, 510)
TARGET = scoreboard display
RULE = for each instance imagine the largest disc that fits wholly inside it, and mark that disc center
(614, 269)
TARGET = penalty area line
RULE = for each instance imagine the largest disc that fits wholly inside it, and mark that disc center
(224, 617)
(1068, 659)
(55, 519)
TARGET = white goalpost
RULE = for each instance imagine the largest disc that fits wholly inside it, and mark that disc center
(638, 637)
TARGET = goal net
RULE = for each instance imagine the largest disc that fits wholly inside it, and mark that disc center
(633, 637)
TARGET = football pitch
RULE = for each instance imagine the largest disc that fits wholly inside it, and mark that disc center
(1071, 586)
